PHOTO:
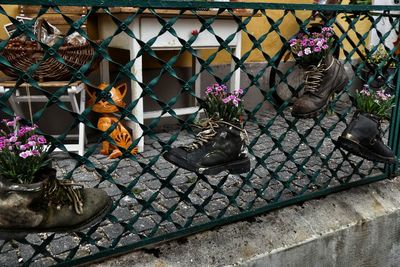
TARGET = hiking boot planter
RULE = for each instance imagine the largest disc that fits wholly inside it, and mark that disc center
(321, 82)
(363, 137)
(32, 200)
(324, 75)
(221, 143)
(220, 146)
(50, 205)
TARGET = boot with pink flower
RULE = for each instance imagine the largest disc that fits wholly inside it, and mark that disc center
(221, 143)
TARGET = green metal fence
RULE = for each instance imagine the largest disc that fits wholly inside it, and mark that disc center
(292, 159)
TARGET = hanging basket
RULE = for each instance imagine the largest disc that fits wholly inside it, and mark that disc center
(23, 54)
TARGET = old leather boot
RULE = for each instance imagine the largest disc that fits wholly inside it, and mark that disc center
(220, 146)
(363, 138)
(49, 206)
(321, 82)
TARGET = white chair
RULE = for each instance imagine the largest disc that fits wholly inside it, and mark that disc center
(22, 95)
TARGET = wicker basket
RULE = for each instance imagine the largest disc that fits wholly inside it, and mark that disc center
(23, 54)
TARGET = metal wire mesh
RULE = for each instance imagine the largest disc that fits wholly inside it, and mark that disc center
(292, 159)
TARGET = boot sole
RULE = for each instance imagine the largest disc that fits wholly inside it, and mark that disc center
(235, 167)
(324, 108)
(361, 151)
(16, 234)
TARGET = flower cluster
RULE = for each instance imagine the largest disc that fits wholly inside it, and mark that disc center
(381, 55)
(22, 151)
(314, 44)
(378, 103)
(221, 104)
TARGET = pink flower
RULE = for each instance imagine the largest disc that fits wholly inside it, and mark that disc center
(41, 140)
(317, 49)
(325, 46)
(11, 123)
(238, 92)
(326, 29)
(12, 139)
(365, 91)
(35, 153)
(300, 54)
(226, 100)
(209, 90)
(381, 94)
(219, 88)
(25, 154)
(23, 147)
(31, 143)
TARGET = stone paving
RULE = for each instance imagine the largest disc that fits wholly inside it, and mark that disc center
(152, 197)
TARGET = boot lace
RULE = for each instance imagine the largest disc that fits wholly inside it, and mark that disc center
(63, 192)
(314, 77)
(208, 132)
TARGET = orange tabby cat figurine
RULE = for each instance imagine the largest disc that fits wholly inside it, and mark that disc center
(120, 134)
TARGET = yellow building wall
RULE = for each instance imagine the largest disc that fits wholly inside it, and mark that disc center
(11, 11)
(257, 27)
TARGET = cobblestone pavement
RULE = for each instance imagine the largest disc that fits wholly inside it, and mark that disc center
(152, 197)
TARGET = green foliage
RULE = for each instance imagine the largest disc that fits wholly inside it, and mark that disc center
(22, 152)
(378, 103)
(222, 105)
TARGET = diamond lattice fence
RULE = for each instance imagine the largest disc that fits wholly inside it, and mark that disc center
(292, 159)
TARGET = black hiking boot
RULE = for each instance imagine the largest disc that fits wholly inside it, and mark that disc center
(220, 146)
(363, 137)
(321, 82)
(49, 206)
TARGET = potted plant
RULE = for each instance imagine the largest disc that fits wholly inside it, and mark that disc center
(31, 198)
(378, 69)
(221, 143)
(363, 136)
(324, 74)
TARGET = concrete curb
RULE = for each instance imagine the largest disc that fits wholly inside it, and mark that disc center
(358, 227)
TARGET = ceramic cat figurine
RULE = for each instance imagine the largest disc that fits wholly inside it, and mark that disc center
(120, 134)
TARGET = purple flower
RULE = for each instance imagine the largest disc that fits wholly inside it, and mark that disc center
(311, 42)
(325, 46)
(317, 49)
(35, 153)
(12, 139)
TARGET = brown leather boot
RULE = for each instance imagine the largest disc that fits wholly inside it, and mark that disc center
(321, 81)
(49, 206)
